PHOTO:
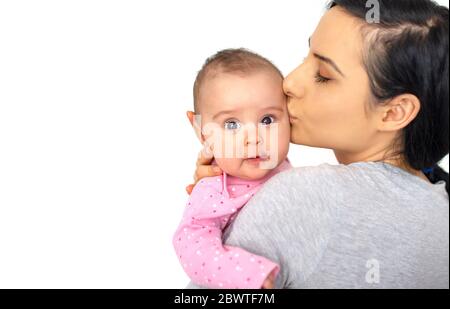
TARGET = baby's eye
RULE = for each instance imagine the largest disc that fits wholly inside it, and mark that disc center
(232, 125)
(267, 120)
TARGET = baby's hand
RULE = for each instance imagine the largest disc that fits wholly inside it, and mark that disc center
(269, 282)
(204, 167)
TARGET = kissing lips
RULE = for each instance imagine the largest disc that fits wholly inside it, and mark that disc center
(292, 119)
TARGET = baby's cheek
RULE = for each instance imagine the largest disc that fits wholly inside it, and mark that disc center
(229, 166)
(278, 145)
(284, 139)
(277, 139)
(225, 146)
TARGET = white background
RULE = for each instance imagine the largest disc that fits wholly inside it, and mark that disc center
(95, 150)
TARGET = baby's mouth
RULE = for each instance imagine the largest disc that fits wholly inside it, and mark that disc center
(257, 159)
(257, 155)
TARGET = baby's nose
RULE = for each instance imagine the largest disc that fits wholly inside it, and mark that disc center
(253, 138)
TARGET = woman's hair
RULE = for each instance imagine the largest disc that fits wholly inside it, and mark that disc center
(406, 51)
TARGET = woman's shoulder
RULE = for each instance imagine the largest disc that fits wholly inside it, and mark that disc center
(339, 171)
(311, 176)
(302, 186)
(362, 178)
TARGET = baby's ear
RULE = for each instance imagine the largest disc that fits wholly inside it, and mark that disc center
(190, 115)
(196, 124)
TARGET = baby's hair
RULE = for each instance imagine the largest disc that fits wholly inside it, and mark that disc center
(238, 61)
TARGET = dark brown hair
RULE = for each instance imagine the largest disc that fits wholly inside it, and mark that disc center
(408, 53)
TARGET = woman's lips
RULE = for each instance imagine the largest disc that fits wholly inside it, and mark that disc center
(293, 119)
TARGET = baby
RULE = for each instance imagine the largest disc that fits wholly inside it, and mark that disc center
(242, 118)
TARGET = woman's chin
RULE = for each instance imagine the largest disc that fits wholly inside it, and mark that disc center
(296, 138)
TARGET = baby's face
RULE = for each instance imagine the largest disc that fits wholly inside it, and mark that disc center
(245, 121)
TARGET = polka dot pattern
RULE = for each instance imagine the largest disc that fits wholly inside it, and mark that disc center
(213, 204)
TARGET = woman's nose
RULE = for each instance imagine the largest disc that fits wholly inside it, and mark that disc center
(293, 84)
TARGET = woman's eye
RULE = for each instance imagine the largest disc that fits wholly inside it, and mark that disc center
(268, 120)
(321, 79)
(232, 125)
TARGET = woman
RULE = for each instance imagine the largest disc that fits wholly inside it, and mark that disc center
(377, 94)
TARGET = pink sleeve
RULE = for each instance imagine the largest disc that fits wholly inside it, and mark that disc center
(199, 247)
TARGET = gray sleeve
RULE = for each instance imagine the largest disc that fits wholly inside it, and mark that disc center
(289, 222)
(322, 225)
(286, 225)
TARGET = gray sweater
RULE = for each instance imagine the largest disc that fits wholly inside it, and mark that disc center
(364, 225)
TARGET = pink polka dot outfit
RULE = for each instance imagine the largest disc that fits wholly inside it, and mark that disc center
(213, 204)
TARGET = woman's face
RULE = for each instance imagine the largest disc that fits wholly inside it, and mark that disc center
(328, 93)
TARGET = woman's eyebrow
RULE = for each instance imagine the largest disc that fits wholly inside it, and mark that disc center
(326, 60)
(330, 62)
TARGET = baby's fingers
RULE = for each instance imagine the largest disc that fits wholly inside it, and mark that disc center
(270, 281)
(268, 284)
(206, 171)
(189, 189)
(202, 172)
(205, 157)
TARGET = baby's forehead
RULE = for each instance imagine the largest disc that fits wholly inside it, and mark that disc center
(220, 74)
(246, 94)
(223, 83)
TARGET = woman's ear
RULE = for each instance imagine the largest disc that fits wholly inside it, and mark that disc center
(195, 121)
(399, 112)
